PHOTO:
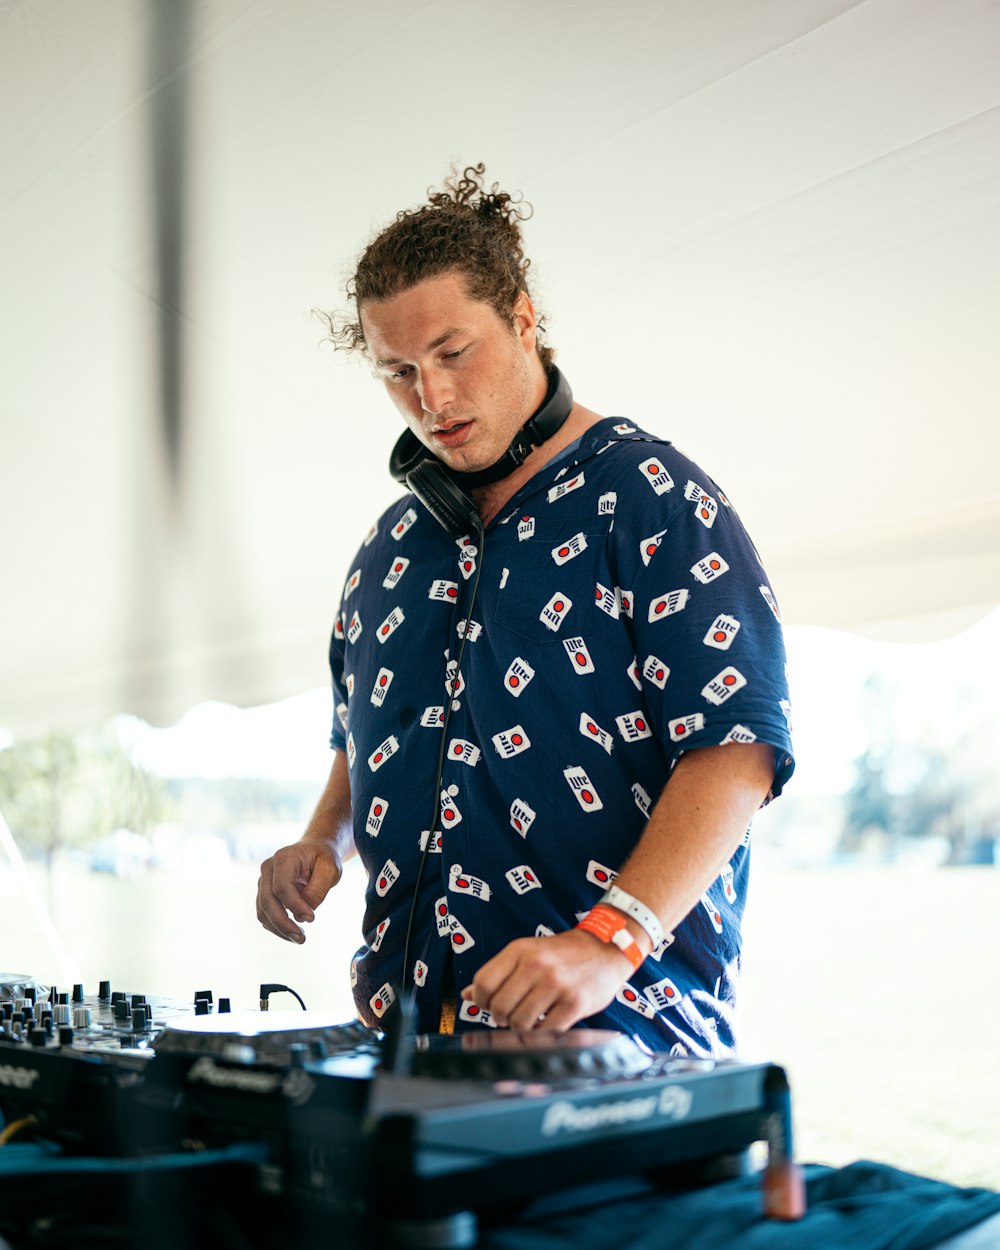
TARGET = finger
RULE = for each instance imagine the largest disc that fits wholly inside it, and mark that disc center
(272, 910)
(326, 873)
(533, 1010)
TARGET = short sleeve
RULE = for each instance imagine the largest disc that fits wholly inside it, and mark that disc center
(706, 625)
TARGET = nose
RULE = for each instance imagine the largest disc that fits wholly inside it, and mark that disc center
(434, 391)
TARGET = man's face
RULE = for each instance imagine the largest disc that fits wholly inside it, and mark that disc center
(464, 381)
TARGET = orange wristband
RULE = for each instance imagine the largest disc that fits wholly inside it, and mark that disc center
(609, 926)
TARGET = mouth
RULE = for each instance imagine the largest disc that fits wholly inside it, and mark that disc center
(453, 435)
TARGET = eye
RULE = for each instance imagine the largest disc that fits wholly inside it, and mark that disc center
(399, 374)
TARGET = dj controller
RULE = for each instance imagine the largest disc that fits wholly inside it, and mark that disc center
(317, 1124)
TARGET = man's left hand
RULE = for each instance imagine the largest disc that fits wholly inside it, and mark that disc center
(549, 982)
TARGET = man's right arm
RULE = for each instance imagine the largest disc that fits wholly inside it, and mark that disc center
(296, 879)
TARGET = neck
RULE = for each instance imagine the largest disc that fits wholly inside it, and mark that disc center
(490, 499)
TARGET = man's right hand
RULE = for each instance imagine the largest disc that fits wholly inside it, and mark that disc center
(293, 882)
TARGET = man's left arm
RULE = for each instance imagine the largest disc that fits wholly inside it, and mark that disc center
(693, 831)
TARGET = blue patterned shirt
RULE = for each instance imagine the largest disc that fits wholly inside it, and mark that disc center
(622, 617)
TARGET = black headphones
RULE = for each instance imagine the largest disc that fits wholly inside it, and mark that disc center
(442, 490)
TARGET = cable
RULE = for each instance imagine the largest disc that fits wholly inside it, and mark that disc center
(450, 690)
(272, 987)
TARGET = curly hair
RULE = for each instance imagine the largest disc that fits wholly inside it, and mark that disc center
(465, 227)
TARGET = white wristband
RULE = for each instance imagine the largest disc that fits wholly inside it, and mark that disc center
(615, 896)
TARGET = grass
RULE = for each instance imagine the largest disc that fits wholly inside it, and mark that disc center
(876, 989)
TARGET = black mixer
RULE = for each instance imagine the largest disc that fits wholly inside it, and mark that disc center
(393, 1139)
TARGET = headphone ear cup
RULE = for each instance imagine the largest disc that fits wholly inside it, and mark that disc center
(406, 455)
(448, 505)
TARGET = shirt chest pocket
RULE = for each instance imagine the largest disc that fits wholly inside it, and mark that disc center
(549, 589)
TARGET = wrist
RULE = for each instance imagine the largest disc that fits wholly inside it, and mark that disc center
(610, 927)
(641, 915)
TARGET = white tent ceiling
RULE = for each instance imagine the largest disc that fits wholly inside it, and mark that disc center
(769, 229)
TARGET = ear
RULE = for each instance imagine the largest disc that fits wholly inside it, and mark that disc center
(525, 323)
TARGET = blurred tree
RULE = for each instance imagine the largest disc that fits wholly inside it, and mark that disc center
(61, 790)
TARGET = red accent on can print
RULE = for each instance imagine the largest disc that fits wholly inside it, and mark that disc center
(650, 549)
(382, 680)
(630, 994)
(705, 513)
(652, 469)
(668, 992)
(564, 551)
(398, 567)
(660, 607)
(473, 1010)
(457, 751)
(513, 681)
(378, 757)
(680, 730)
(462, 882)
(451, 592)
(581, 659)
(377, 1004)
(660, 674)
(442, 909)
(715, 564)
(377, 809)
(558, 606)
(517, 824)
(458, 939)
(599, 873)
(640, 724)
(382, 883)
(516, 739)
(384, 629)
(626, 602)
(467, 565)
(729, 680)
(591, 727)
(719, 636)
(448, 813)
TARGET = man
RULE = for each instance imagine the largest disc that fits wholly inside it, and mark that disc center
(512, 699)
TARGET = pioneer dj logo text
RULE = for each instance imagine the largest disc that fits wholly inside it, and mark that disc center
(296, 1085)
(18, 1078)
(672, 1103)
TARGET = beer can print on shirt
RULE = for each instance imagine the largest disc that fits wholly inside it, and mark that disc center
(522, 879)
(354, 629)
(525, 528)
(522, 817)
(565, 488)
(465, 883)
(600, 874)
(450, 814)
(607, 601)
(376, 816)
(467, 561)
(583, 788)
(519, 673)
(668, 605)
(663, 993)
(722, 632)
(381, 687)
(633, 726)
(396, 571)
(710, 568)
(420, 973)
(713, 913)
(579, 656)
(570, 548)
(462, 751)
(474, 1014)
(632, 998)
(387, 878)
(684, 726)
(391, 623)
(461, 939)
(383, 752)
(590, 729)
(554, 612)
(656, 671)
(607, 503)
(443, 591)
(352, 583)
(739, 733)
(404, 523)
(511, 742)
(380, 932)
(648, 546)
(382, 1000)
(654, 472)
(723, 685)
